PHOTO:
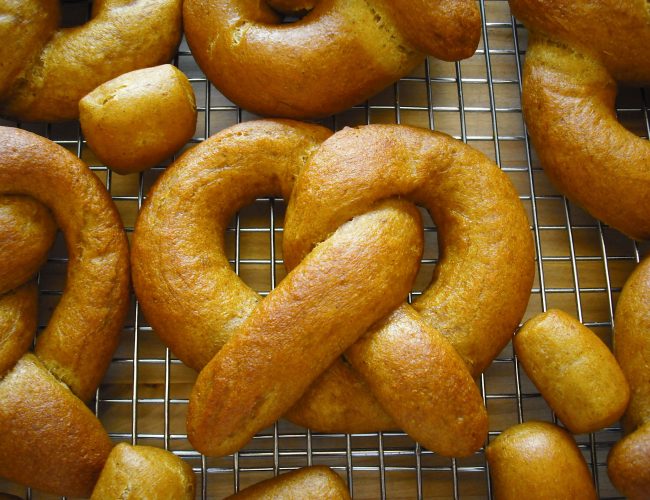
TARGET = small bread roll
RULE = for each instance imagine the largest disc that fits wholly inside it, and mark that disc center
(538, 460)
(144, 473)
(574, 371)
(136, 120)
(308, 483)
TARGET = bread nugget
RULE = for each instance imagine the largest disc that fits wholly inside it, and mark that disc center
(574, 370)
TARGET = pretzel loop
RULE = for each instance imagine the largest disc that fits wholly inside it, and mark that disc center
(569, 91)
(50, 439)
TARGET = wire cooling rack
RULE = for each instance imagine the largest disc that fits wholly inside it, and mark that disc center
(581, 267)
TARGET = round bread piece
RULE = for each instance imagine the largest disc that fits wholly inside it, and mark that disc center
(308, 483)
(144, 472)
(79, 341)
(574, 371)
(337, 55)
(538, 461)
(577, 52)
(53, 69)
(138, 119)
(629, 460)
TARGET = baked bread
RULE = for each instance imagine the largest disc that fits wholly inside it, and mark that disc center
(308, 483)
(538, 461)
(50, 439)
(138, 119)
(339, 54)
(144, 473)
(46, 70)
(577, 52)
(574, 371)
(629, 460)
(200, 308)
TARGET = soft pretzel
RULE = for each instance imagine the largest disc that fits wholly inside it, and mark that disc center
(144, 473)
(577, 52)
(629, 460)
(46, 71)
(339, 54)
(201, 308)
(50, 439)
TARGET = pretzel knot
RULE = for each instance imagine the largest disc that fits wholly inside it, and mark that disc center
(49, 438)
(47, 69)
(339, 54)
(577, 52)
(353, 243)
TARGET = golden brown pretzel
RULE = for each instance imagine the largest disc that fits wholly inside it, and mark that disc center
(50, 439)
(200, 308)
(339, 54)
(46, 71)
(629, 460)
(577, 52)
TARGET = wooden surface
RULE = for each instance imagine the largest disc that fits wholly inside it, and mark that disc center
(143, 397)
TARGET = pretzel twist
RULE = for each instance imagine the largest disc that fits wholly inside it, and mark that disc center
(50, 439)
(339, 54)
(353, 247)
(577, 52)
(629, 460)
(47, 70)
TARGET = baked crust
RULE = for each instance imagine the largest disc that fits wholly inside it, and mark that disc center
(60, 66)
(537, 461)
(50, 439)
(308, 483)
(574, 370)
(338, 55)
(144, 472)
(197, 304)
(577, 53)
(629, 460)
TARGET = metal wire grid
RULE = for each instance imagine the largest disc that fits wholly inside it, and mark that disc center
(581, 266)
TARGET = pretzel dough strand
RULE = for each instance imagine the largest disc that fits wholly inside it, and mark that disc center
(76, 345)
(49, 437)
(628, 462)
(569, 109)
(122, 35)
(354, 278)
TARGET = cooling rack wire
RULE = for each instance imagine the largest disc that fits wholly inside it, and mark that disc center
(581, 267)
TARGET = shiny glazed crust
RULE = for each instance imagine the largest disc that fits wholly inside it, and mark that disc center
(339, 54)
(138, 119)
(50, 440)
(59, 67)
(538, 461)
(569, 93)
(308, 483)
(629, 460)
(264, 157)
(144, 472)
(574, 371)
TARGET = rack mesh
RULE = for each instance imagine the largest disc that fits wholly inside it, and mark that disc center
(581, 266)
